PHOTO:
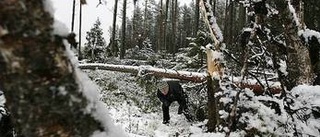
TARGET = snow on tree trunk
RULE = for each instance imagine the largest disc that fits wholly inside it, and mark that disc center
(148, 70)
(38, 80)
(214, 65)
(298, 59)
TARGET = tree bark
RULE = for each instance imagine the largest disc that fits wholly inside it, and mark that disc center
(174, 8)
(36, 76)
(80, 29)
(73, 13)
(113, 37)
(213, 108)
(165, 24)
(123, 39)
(169, 73)
(197, 18)
(148, 70)
(311, 19)
(214, 68)
(298, 60)
(160, 23)
(145, 23)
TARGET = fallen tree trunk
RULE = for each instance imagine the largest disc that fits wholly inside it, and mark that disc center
(149, 70)
(169, 73)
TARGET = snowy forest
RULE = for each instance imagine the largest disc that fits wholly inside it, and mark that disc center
(246, 67)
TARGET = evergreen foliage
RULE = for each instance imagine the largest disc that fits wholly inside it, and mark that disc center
(95, 46)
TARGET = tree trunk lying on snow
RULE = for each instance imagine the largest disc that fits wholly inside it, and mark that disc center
(37, 78)
(169, 73)
(148, 70)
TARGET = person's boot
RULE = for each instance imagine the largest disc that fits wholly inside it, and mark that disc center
(179, 111)
(165, 122)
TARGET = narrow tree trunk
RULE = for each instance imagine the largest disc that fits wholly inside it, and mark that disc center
(214, 7)
(213, 109)
(73, 12)
(226, 24)
(113, 37)
(39, 82)
(160, 23)
(197, 18)
(145, 23)
(123, 39)
(80, 29)
(242, 18)
(176, 20)
(231, 22)
(165, 24)
(174, 11)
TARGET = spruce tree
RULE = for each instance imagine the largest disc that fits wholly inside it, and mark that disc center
(96, 44)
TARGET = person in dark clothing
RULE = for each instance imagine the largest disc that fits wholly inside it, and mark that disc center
(169, 91)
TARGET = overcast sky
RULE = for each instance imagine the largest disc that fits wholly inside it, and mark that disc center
(90, 13)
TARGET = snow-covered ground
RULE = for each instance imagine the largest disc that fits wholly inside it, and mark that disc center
(134, 120)
(127, 103)
(137, 123)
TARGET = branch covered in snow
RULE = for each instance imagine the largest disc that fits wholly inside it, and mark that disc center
(210, 21)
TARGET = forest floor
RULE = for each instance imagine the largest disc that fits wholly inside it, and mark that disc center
(139, 124)
(132, 118)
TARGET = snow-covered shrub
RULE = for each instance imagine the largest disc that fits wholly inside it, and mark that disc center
(143, 52)
(305, 110)
(117, 87)
(197, 100)
(95, 46)
(263, 115)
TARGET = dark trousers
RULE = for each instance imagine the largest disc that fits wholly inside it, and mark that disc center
(182, 109)
(165, 111)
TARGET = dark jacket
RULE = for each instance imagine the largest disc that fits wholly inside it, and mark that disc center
(175, 93)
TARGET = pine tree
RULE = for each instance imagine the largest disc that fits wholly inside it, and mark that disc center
(137, 23)
(96, 44)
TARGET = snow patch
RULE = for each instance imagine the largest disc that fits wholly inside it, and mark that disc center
(283, 67)
(2, 98)
(308, 34)
(216, 55)
(307, 95)
(214, 25)
(99, 134)
(294, 15)
(48, 7)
